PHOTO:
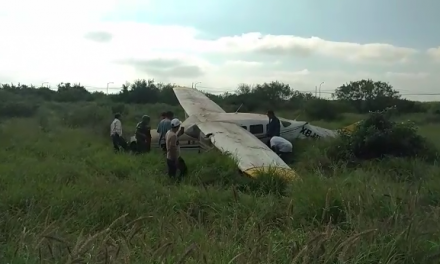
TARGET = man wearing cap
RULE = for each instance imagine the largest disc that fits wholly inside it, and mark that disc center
(143, 135)
(174, 160)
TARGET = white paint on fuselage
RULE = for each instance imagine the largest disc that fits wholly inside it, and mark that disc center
(254, 123)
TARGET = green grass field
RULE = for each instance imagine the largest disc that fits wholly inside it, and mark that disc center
(67, 198)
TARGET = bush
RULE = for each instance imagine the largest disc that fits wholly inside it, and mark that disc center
(378, 137)
(91, 116)
(405, 106)
(18, 109)
(119, 108)
(320, 109)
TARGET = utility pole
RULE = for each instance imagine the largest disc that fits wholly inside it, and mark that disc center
(320, 89)
(194, 85)
(107, 86)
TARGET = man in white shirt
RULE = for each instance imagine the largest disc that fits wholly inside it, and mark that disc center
(174, 160)
(116, 134)
(282, 147)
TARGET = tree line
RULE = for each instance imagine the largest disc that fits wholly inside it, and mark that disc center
(354, 97)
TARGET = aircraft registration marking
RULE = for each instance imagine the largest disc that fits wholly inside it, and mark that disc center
(308, 133)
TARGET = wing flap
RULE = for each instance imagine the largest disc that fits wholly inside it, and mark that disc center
(195, 102)
(251, 154)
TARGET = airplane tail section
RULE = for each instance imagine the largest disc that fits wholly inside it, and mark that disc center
(349, 128)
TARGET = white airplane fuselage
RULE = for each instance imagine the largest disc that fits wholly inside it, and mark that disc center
(256, 124)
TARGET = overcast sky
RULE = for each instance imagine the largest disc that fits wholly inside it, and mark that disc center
(222, 43)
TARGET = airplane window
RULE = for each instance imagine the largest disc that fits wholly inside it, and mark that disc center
(256, 129)
(285, 123)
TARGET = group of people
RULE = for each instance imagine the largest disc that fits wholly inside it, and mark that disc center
(143, 135)
(169, 129)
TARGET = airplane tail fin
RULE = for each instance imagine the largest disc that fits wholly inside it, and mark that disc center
(349, 128)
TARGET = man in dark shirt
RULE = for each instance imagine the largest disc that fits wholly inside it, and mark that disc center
(274, 126)
(162, 129)
(143, 135)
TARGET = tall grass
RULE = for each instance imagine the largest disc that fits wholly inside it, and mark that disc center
(65, 197)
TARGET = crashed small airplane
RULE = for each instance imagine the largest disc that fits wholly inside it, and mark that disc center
(242, 135)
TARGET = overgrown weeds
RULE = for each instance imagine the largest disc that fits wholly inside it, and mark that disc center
(65, 197)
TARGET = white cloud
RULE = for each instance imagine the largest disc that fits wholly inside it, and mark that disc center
(44, 41)
(62, 11)
(284, 45)
(241, 63)
(434, 53)
(408, 75)
(29, 11)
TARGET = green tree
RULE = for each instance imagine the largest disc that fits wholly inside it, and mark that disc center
(72, 93)
(360, 96)
(367, 95)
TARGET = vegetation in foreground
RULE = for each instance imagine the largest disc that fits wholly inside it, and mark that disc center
(67, 198)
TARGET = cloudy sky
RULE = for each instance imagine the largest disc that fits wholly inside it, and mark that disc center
(221, 43)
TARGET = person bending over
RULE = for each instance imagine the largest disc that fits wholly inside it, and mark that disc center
(282, 147)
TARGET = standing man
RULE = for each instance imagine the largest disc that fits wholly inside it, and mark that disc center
(162, 129)
(174, 160)
(281, 147)
(274, 126)
(116, 134)
(143, 135)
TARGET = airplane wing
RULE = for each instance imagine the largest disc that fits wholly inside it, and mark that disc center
(251, 154)
(195, 102)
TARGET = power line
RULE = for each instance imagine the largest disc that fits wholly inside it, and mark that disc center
(233, 90)
(322, 91)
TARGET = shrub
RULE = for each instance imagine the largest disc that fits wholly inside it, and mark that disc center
(18, 109)
(119, 108)
(405, 106)
(91, 116)
(320, 109)
(378, 137)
